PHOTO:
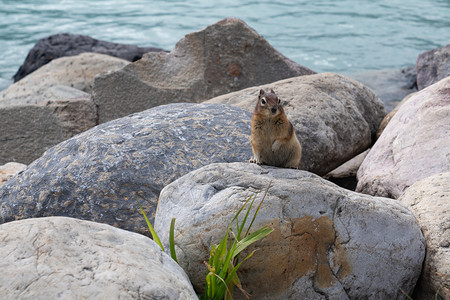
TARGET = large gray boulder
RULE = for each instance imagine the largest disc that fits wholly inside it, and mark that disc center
(335, 117)
(432, 66)
(100, 175)
(75, 71)
(66, 44)
(429, 200)
(28, 130)
(414, 145)
(327, 243)
(224, 57)
(65, 258)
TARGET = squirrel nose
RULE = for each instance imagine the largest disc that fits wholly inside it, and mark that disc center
(274, 110)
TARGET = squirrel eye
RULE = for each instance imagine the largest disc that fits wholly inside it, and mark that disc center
(279, 100)
(263, 101)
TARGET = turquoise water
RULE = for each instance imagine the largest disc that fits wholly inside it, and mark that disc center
(327, 36)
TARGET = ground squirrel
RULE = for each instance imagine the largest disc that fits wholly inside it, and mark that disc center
(273, 138)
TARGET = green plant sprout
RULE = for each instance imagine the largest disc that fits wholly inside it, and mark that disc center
(155, 236)
(224, 258)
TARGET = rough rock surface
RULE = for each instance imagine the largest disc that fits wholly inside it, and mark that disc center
(432, 66)
(65, 44)
(335, 117)
(29, 130)
(10, 169)
(429, 200)
(100, 175)
(391, 85)
(65, 258)
(414, 145)
(327, 243)
(75, 71)
(224, 57)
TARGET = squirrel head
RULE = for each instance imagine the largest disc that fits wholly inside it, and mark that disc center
(269, 104)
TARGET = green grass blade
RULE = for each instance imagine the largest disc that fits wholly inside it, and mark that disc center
(250, 239)
(173, 254)
(220, 252)
(242, 208)
(209, 290)
(245, 219)
(407, 296)
(223, 288)
(226, 261)
(152, 231)
(259, 206)
(232, 276)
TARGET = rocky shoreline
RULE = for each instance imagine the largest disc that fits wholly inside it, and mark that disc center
(171, 130)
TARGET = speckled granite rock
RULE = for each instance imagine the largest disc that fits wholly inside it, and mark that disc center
(414, 145)
(327, 243)
(65, 258)
(29, 130)
(100, 174)
(335, 117)
(66, 44)
(432, 66)
(224, 57)
(429, 200)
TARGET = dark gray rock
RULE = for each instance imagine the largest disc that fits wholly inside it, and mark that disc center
(66, 44)
(100, 174)
(432, 66)
(224, 57)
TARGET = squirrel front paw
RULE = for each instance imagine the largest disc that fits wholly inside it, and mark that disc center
(276, 146)
(253, 160)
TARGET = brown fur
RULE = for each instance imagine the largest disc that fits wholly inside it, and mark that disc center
(273, 138)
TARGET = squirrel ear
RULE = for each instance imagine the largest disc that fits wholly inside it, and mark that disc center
(272, 91)
(261, 92)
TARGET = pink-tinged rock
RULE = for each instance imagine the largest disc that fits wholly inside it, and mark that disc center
(429, 201)
(414, 145)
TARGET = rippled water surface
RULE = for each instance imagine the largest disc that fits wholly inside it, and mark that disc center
(338, 36)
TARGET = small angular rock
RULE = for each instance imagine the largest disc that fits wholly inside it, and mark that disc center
(29, 130)
(432, 66)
